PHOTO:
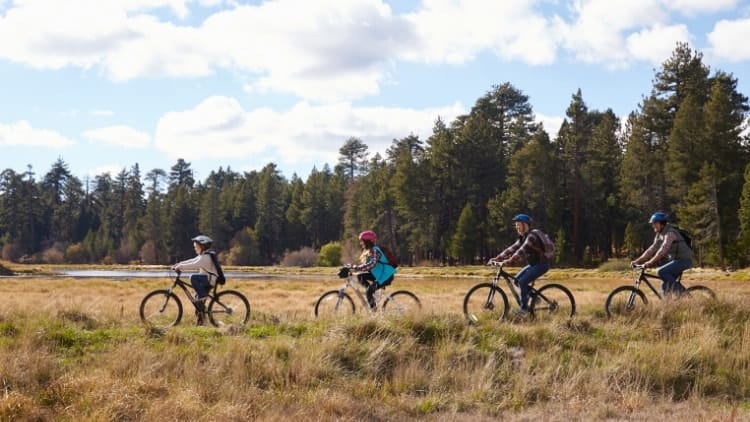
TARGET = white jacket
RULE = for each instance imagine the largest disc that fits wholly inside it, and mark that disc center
(202, 263)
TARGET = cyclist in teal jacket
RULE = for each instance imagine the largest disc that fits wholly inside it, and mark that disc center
(375, 273)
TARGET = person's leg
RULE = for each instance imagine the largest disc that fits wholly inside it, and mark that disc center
(368, 280)
(668, 274)
(525, 277)
(202, 286)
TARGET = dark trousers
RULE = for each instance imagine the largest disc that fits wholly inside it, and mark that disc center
(202, 286)
(368, 280)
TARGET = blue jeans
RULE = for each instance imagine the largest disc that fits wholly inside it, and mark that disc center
(668, 274)
(526, 276)
(202, 286)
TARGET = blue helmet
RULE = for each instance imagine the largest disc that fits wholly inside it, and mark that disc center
(658, 217)
(522, 218)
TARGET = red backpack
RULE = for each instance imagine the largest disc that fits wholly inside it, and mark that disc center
(390, 257)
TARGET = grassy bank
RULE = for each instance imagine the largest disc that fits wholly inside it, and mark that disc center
(74, 350)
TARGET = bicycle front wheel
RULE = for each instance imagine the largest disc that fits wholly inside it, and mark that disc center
(552, 300)
(334, 303)
(229, 307)
(485, 302)
(625, 300)
(400, 303)
(161, 308)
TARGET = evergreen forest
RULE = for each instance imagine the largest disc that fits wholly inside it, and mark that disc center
(591, 184)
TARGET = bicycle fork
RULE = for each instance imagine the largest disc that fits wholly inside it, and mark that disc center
(166, 300)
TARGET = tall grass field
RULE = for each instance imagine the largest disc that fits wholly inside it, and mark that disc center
(74, 349)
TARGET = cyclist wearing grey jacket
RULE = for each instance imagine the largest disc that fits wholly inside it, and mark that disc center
(206, 276)
(670, 245)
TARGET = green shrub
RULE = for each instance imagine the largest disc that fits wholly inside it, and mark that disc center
(330, 255)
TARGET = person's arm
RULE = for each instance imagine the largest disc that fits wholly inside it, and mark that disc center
(528, 246)
(200, 262)
(508, 251)
(669, 238)
(649, 252)
(370, 263)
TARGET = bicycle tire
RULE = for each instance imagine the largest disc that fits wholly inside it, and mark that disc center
(229, 308)
(700, 292)
(552, 300)
(624, 300)
(334, 303)
(400, 303)
(161, 308)
(484, 302)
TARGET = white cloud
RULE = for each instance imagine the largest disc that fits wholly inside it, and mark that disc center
(728, 40)
(655, 44)
(596, 36)
(123, 136)
(331, 53)
(551, 123)
(456, 32)
(340, 50)
(692, 7)
(220, 128)
(22, 134)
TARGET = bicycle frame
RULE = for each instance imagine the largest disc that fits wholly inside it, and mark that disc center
(189, 291)
(512, 284)
(362, 296)
(643, 277)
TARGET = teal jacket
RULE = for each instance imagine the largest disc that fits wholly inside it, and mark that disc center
(377, 265)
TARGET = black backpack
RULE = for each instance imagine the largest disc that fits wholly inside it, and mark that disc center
(685, 236)
(220, 279)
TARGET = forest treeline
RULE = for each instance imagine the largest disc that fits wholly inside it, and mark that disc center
(448, 199)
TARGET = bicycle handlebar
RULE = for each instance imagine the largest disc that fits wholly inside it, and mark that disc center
(493, 263)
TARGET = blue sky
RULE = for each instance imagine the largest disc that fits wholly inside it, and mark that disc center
(222, 83)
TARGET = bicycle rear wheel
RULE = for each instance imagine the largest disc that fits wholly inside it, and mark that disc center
(485, 302)
(625, 300)
(229, 307)
(700, 293)
(334, 303)
(161, 308)
(552, 301)
(400, 303)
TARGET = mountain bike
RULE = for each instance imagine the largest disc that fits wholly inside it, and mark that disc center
(488, 302)
(627, 299)
(339, 302)
(163, 308)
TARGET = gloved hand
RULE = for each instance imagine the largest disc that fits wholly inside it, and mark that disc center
(344, 272)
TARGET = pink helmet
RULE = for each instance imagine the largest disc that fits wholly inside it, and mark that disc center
(368, 235)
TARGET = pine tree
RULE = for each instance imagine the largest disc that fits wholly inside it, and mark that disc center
(743, 241)
(700, 215)
(465, 242)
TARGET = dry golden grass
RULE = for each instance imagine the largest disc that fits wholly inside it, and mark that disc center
(74, 349)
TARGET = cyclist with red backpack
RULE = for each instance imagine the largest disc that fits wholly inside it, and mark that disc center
(376, 271)
(529, 246)
(671, 245)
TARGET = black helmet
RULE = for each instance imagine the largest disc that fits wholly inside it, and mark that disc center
(203, 240)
